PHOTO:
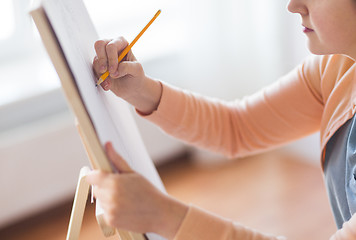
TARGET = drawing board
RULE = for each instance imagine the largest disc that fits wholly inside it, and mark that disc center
(69, 35)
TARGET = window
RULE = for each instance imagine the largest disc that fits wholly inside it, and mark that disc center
(16, 35)
(21, 53)
(113, 18)
(26, 70)
(7, 16)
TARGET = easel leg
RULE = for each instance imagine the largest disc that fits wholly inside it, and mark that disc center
(80, 199)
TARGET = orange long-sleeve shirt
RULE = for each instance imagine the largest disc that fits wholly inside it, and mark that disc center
(318, 95)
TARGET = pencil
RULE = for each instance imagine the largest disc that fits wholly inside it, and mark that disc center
(128, 48)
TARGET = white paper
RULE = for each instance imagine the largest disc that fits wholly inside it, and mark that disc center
(110, 115)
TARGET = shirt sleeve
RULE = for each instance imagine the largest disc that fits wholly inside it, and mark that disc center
(289, 109)
(199, 224)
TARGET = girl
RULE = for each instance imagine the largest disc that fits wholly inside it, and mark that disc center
(318, 95)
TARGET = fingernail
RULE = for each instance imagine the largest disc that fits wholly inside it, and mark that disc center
(112, 69)
(103, 68)
(105, 86)
(115, 74)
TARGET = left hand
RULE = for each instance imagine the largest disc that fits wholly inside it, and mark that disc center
(132, 203)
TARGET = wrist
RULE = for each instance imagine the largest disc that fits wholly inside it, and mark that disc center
(170, 217)
(147, 98)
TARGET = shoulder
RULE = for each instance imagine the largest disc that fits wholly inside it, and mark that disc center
(324, 71)
(327, 64)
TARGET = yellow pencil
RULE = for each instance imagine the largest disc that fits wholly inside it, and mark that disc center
(127, 49)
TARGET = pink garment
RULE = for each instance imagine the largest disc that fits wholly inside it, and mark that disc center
(199, 224)
(319, 95)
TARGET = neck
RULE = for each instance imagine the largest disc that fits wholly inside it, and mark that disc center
(353, 57)
(352, 54)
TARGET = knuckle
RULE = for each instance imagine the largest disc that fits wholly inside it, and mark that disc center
(97, 65)
(110, 46)
(138, 66)
(123, 40)
(95, 60)
(102, 61)
(110, 219)
(99, 44)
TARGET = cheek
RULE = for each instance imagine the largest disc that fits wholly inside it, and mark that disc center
(335, 24)
(339, 37)
(331, 32)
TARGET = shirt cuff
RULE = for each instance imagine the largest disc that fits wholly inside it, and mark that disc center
(172, 99)
(199, 224)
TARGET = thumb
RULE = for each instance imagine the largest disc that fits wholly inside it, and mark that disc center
(120, 164)
(129, 68)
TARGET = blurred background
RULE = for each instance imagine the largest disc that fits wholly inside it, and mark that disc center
(222, 48)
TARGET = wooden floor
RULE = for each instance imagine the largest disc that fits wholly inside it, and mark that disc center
(271, 192)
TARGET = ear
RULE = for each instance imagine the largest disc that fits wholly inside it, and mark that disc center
(120, 164)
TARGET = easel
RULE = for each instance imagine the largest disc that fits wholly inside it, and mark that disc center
(97, 156)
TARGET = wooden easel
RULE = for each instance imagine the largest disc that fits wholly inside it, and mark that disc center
(78, 208)
(97, 156)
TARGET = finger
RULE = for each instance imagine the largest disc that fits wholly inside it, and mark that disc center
(100, 49)
(103, 195)
(106, 85)
(96, 67)
(113, 49)
(130, 56)
(120, 164)
(129, 68)
(97, 178)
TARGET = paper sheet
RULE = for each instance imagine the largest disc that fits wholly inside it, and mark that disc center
(110, 115)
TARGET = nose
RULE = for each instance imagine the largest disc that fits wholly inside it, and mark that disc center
(297, 6)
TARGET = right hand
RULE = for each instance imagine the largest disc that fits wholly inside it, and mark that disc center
(127, 79)
(133, 203)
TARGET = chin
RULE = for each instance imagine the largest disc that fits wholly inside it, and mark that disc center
(318, 50)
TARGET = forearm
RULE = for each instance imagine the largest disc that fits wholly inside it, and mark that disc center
(193, 118)
(199, 224)
(147, 98)
(238, 128)
(171, 216)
